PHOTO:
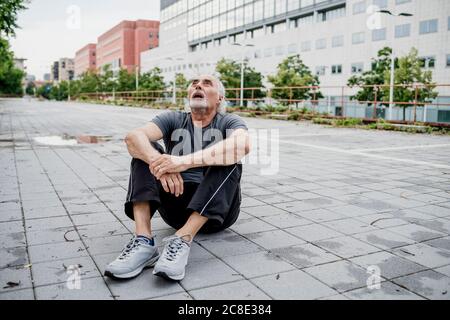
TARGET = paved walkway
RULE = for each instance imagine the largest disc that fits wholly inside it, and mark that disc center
(342, 204)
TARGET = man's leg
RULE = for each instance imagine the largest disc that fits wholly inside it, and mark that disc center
(195, 222)
(213, 207)
(142, 202)
(142, 219)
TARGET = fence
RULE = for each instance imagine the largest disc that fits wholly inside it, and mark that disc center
(330, 100)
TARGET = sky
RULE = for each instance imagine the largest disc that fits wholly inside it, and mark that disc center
(54, 29)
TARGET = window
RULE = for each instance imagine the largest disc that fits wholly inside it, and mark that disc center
(357, 67)
(359, 7)
(382, 4)
(379, 34)
(280, 7)
(321, 44)
(443, 115)
(239, 17)
(248, 9)
(358, 38)
(448, 61)
(428, 26)
(257, 54)
(402, 1)
(402, 31)
(151, 35)
(259, 9)
(448, 23)
(258, 32)
(293, 5)
(227, 21)
(268, 52)
(306, 46)
(320, 70)
(337, 41)
(279, 27)
(269, 8)
(330, 14)
(305, 20)
(428, 62)
(336, 69)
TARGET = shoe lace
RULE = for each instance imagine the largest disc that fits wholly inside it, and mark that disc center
(173, 247)
(129, 248)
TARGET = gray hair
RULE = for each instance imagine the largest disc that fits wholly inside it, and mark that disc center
(222, 92)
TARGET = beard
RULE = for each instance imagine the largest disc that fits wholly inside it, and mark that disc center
(198, 105)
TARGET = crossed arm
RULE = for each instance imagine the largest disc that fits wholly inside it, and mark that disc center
(167, 168)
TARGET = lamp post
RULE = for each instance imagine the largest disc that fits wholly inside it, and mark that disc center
(392, 80)
(137, 70)
(174, 87)
(242, 70)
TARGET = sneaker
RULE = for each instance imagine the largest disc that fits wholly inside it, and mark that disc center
(174, 258)
(136, 256)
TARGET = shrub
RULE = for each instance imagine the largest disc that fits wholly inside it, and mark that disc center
(322, 121)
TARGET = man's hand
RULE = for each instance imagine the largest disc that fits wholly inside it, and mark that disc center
(173, 183)
(168, 164)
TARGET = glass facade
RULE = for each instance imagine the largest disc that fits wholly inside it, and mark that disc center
(206, 18)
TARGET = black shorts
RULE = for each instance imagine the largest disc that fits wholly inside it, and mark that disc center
(217, 197)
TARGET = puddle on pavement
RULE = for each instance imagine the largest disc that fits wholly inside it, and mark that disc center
(67, 140)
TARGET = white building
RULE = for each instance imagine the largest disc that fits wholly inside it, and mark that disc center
(335, 38)
(66, 69)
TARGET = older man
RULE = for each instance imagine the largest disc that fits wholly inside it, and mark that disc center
(194, 183)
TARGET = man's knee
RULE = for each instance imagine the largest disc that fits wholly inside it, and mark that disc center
(138, 163)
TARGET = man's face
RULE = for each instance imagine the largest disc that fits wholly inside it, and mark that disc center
(203, 94)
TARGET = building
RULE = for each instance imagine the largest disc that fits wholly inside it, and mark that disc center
(66, 69)
(19, 63)
(54, 74)
(121, 46)
(85, 59)
(47, 77)
(335, 38)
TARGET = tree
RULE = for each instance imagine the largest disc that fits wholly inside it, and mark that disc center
(375, 84)
(89, 82)
(230, 75)
(152, 80)
(182, 85)
(369, 82)
(30, 88)
(106, 81)
(44, 91)
(410, 74)
(292, 72)
(126, 81)
(8, 16)
(10, 76)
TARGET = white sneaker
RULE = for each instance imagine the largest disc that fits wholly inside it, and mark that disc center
(136, 256)
(172, 263)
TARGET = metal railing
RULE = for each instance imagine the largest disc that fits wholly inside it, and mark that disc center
(329, 100)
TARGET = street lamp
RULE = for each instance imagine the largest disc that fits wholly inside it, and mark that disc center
(174, 87)
(391, 86)
(242, 71)
(137, 77)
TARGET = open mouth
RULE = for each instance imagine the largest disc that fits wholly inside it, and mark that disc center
(198, 95)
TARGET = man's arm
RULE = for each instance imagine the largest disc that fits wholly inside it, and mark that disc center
(223, 153)
(138, 142)
(139, 146)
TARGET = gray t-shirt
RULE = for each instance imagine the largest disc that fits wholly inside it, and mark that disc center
(181, 137)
